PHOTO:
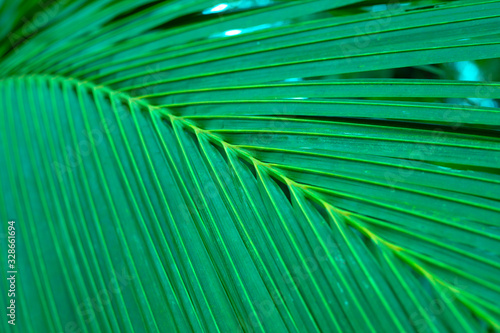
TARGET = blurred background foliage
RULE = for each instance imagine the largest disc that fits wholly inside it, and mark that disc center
(21, 19)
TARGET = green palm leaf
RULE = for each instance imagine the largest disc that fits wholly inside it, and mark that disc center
(259, 169)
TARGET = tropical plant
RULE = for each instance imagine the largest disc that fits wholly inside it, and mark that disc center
(277, 166)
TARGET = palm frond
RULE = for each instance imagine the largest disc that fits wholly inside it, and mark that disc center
(165, 175)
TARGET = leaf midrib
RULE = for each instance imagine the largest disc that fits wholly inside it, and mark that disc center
(310, 192)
